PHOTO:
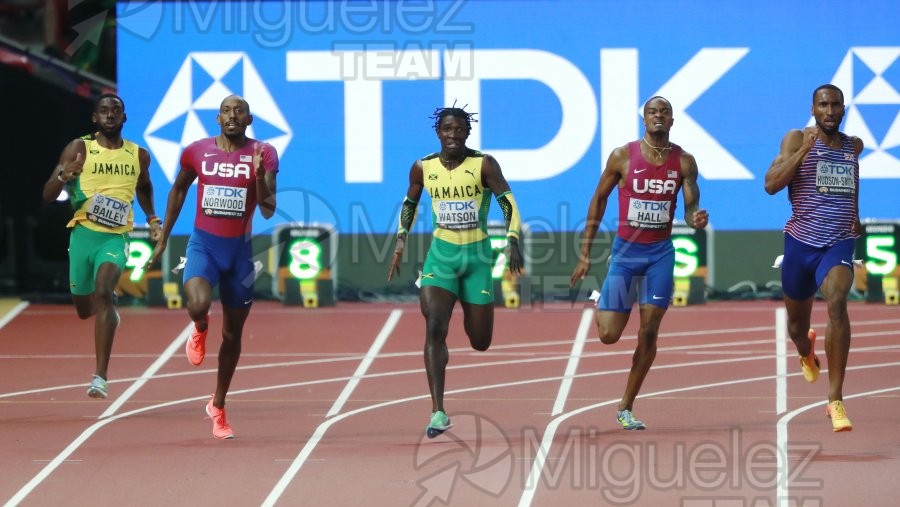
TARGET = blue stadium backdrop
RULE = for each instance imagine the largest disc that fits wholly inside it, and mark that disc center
(344, 91)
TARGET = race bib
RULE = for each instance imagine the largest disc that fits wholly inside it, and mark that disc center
(835, 178)
(222, 201)
(649, 214)
(108, 211)
(457, 215)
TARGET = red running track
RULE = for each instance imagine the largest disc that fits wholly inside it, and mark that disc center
(329, 408)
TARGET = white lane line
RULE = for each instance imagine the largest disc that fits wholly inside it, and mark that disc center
(104, 419)
(56, 462)
(301, 458)
(12, 313)
(288, 476)
(780, 361)
(317, 436)
(782, 489)
(496, 349)
(690, 349)
(541, 358)
(149, 372)
(320, 431)
(537, 469)
(298, 462)
(780, 383)
(370, 356)
(587, 317)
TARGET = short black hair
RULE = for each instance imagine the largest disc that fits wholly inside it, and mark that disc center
(108, 95)
(458, 112)
(242, 100)
(828, 86)
(658, 97)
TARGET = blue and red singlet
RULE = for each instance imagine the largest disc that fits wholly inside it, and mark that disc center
(226, 184)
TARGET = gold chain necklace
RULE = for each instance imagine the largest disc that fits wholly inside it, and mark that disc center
(658, 151)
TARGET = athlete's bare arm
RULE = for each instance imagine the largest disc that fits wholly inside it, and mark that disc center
(175, 202)
(612, 176)
(693, 215)
(491, 175)
(858, 148)
(794, 148)
(266, 182)
(144, 192)
(416, 181)
(70, 165)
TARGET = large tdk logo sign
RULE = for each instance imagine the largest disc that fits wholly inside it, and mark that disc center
(870, 79)
(189, 108)
(869, 76)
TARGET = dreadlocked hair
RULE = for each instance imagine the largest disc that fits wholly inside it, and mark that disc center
(459, 112)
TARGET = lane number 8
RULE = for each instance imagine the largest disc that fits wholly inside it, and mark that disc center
(306, 259)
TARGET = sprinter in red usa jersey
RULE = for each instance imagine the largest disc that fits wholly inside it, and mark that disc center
(234, 173)
(648, 173)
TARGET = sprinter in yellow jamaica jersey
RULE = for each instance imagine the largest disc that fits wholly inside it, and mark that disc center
(102, 173)
(461, 182)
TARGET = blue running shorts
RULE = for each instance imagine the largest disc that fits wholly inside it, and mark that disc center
(226, 262)
(638, 272)
(804, 267)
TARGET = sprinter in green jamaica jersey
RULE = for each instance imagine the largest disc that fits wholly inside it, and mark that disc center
(460, 182)
(102, 173)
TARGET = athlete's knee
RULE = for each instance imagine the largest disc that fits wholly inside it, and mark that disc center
(480, 340)
(436, 328)
(837, 306)
(798, 329)
(437, 321)
(85, 307)
(197, 309)
(480, 331)
(105, 297)
(647, 336)
(481, 346)
(608, 337)
(231, 337)
(610, 325)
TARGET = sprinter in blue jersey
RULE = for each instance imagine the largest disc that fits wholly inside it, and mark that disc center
(820, 167)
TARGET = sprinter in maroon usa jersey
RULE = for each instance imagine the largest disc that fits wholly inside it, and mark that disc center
(648, 173)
